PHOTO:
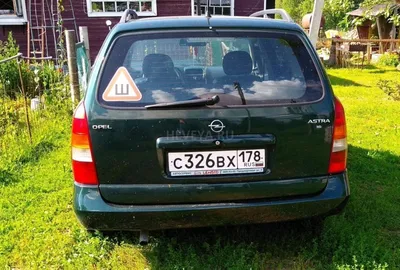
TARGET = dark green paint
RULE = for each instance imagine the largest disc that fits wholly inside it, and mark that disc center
(209, 143)
(95, 213)
(205, 193)
(130, 158)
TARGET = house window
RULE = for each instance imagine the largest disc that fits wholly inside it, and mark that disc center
(115, 8)
(12, 12)
(216, 7)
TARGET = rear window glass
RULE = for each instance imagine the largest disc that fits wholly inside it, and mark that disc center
(252, 68)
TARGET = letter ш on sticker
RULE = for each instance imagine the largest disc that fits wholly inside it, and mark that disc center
(122, 87)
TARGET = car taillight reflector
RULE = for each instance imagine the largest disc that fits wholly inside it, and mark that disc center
(338, 158)
(84, 173)
(82, 160)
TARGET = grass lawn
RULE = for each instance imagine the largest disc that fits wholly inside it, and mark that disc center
(38, 228)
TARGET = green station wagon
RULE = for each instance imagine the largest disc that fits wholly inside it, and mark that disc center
(200, 121)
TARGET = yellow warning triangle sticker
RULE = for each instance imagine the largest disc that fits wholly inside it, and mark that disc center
(122, 87)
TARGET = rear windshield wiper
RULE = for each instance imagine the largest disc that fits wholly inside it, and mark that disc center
(238, 88)
(187, 103)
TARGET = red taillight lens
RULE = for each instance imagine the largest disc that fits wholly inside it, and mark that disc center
(84, 172)
(82, 160)
(338, 159)
(338, 162)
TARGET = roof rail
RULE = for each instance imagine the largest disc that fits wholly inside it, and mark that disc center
(129, 14)
(276, 11)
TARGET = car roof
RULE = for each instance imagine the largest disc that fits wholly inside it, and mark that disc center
(196, 22)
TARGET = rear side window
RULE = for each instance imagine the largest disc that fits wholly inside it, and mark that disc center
(252, 68)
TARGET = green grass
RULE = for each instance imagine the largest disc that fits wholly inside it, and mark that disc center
(39, 230)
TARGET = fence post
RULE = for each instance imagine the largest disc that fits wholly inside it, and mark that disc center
(332, 54)
(337, 54)
(369, 52)
(84, 37)
(72, 66)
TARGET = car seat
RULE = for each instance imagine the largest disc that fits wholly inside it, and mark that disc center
(159, 68)
(238, 67)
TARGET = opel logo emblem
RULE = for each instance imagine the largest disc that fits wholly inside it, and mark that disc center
(216, 126)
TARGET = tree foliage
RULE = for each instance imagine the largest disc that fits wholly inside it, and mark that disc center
(334, 11)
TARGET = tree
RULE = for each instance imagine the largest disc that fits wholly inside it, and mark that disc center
(334, 10)
(335, 13)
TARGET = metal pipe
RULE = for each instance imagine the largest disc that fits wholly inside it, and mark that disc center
(144, 237)
(11, 58)
(37, 58)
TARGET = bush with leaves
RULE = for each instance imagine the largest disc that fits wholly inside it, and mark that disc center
(334, 11)
(9, 76)
(389, 60)
(363, 266)
(391, 88)
(11, 114)
(38, 77)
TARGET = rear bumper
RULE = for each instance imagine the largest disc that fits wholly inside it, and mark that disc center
(94, 213)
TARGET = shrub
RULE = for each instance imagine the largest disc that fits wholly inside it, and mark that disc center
(391, 88)
(38, 77)
(11, 114)
(9, 76)
(361, 266)
(389, 60)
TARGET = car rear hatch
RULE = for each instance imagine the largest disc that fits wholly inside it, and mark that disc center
(269, 136)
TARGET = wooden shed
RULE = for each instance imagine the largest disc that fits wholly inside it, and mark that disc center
(375, 22)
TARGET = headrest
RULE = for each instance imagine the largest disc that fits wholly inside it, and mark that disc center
(237, 63)
(157, 65)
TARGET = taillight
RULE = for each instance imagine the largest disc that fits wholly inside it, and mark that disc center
(338, 159)
(82, 160)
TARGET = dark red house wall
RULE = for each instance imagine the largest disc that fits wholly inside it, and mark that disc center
(97, 26)
(19, 34)
(245, 8)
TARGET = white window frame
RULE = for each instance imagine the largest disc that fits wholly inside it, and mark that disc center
(118, 14)
(232, 9)
(14, 19)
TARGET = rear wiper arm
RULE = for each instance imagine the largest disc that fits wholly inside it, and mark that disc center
(238, 88)
(187, 103)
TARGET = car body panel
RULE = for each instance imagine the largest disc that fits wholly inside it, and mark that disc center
(135, 190)
(94, 213)
(128, 154)
(206, 193)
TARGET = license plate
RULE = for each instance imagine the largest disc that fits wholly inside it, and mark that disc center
(216, 162)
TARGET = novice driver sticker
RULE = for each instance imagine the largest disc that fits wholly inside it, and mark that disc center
(122, 87)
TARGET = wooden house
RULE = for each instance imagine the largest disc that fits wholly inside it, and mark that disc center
(36, 24)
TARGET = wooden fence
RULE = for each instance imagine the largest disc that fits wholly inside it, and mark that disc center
(340, 49)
